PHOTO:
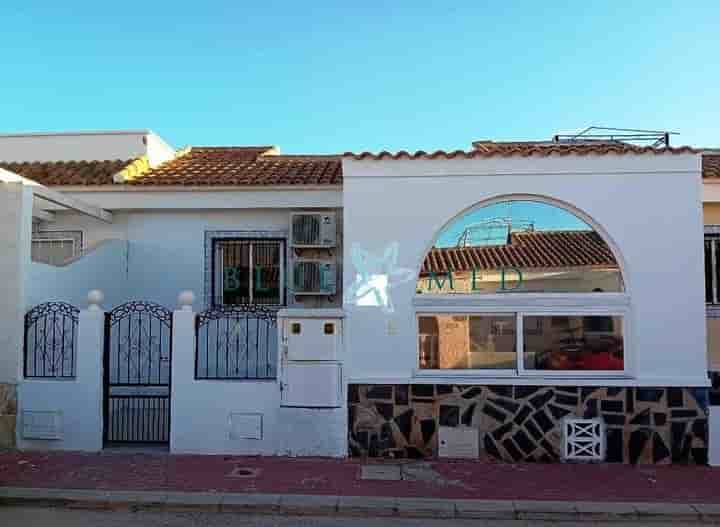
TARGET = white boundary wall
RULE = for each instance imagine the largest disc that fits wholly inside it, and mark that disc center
(76, 402)
(201, 411)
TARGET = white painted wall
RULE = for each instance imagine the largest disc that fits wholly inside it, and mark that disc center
(157, 150)
(200, 418)
(79, 399)
(166, 251)
(649, 206)
(104, 268)
(15, 228)
(76, 146)
(166, 248)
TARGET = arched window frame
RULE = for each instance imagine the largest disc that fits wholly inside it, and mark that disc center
(616, 304)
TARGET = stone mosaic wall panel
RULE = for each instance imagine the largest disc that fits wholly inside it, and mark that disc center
(523, 423)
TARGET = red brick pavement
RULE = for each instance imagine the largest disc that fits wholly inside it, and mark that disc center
(282, 475)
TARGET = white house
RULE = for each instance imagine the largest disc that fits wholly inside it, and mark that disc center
(397, 305)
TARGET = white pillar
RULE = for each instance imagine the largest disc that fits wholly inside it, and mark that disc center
(91, 350)
(15, 235)
(183, 365)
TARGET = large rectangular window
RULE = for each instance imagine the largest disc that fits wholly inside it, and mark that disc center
(490, 341)
(249, 272)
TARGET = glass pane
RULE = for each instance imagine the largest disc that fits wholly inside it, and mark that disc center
(266, 272)
(236, 271)
(708, 271)
(459, 342)
(519, 246)
(573, 343)
(716, 274)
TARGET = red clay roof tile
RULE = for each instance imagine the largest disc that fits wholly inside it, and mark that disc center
(68, 172)
(260, 165)
(243, 166)
(487, 149)
(538, 249)
(711, 166)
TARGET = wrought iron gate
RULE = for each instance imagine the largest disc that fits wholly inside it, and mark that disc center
(138, 350)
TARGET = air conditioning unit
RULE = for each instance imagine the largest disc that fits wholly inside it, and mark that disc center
(314, 277)
(313, 229)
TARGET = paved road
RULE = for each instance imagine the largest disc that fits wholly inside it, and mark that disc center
(58, 517)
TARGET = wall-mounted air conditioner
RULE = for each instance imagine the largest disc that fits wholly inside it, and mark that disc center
(311, 277)
(313, 229)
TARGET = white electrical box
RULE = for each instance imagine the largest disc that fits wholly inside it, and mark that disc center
(42, 424)
(313, 339)
(245, 425)
(458, 442)
(312, 385)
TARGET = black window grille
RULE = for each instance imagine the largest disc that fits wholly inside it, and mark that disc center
(50, 346)
(236, 342)
(248, 271)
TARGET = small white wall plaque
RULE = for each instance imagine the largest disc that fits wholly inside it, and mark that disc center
(42, 424)
(245, 426)
(458, 442)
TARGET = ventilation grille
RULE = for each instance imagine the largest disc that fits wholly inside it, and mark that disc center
(314, 278)
(583, 439)
(306, 229)
(313, 230)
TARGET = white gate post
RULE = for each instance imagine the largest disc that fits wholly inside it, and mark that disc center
(90, 353)
(182, 364)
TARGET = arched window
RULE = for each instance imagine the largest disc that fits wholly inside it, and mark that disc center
(521, 286)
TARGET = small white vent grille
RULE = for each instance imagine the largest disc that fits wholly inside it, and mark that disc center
(583, 439)
(42, 424)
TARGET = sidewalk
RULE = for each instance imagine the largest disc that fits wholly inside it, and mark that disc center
(333, 486)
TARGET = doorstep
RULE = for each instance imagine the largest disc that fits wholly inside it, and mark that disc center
(366, 506)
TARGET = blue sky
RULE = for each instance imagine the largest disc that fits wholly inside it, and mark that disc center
(543, 217)
(316, 77)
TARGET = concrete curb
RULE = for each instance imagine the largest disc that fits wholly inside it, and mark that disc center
(367, 506)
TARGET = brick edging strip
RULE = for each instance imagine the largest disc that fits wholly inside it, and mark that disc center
(367, 506)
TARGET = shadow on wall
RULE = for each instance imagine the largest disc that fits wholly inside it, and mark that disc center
(103, 268)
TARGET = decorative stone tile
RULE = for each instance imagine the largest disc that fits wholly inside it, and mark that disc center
(7, 431)
(8, 399)
(523, 423)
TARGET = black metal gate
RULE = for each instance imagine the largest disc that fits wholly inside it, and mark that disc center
(138, 350)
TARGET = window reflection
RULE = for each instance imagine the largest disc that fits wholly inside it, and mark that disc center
(573, 343)
(519, 246)
(467, 342)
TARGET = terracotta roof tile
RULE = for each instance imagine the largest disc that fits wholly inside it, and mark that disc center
(260, 165)
(539, 249)
(243, 166)
(487, 149)
(711, 166)
(69, 172)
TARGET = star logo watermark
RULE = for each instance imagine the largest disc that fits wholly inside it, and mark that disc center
(375, 276)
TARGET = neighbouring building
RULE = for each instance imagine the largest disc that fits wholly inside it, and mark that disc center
(500, 302)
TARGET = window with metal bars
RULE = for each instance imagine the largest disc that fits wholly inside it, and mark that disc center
(55, 247)
(249, 272)
(712, 268)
